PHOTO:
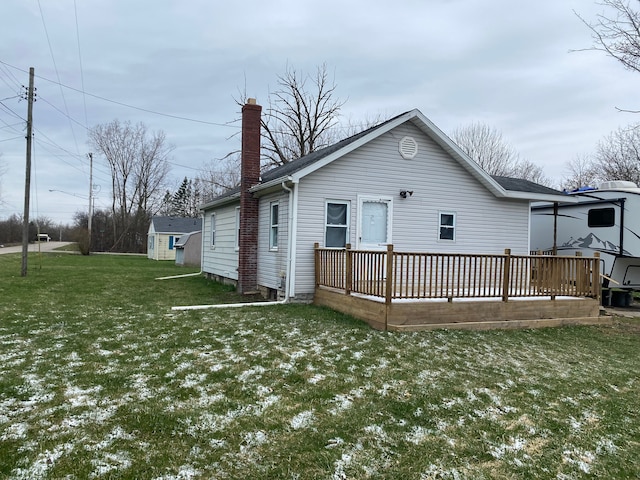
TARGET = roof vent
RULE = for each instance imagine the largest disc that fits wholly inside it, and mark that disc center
(408, 148)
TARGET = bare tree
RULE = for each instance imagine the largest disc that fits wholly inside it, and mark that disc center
(217, 177)
(617, 156)
(139, 166)
(487, 147)
(581, 172)
(617, 32)
(299, 117)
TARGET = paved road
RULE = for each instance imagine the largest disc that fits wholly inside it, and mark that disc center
(35, 247)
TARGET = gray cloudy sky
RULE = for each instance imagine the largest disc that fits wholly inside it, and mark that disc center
(500, 62)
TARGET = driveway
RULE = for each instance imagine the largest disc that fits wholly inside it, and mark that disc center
(35, 247)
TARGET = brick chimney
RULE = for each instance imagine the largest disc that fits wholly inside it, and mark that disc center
(250, 176)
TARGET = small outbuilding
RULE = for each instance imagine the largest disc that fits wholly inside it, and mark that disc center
(165, 231)
(189, 249)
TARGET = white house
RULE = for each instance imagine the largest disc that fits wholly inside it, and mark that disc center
(163, 233)
(403, 182)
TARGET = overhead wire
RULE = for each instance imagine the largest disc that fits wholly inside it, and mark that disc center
(55, 66)
(84, 97)
(122, 104)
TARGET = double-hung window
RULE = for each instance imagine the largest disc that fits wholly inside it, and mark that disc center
(336, 229)
(237, 228)
(213, 230)
(273, 227)
(447, 226)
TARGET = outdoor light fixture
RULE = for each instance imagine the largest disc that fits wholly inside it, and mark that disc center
(404, 193)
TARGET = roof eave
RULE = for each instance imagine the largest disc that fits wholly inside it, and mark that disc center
(220, 201)
(540, 197)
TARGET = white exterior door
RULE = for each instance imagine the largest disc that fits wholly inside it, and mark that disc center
(374, 223)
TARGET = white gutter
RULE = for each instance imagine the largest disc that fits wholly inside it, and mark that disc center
(229, 305)
(180, 276)
(290, 254)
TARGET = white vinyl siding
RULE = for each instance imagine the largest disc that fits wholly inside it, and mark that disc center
(223, 259)
(272, 263)
(484, 223)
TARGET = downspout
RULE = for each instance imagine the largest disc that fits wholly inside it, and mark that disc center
(289, 282)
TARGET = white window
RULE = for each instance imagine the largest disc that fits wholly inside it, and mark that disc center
(237, 228)
(447, 226)
(273, 227)
(213, 230)
(336, 229)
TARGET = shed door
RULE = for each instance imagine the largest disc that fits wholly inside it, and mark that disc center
(374, 223)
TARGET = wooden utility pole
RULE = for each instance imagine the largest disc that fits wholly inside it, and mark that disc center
(27, 183)
(90, 197)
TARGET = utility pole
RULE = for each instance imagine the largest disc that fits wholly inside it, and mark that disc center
(27, 183)
(90, 197)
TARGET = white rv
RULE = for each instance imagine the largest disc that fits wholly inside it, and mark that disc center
(604, 219)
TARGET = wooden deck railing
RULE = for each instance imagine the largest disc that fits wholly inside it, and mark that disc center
(404, 275)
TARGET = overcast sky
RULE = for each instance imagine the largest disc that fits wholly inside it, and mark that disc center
(504, 63)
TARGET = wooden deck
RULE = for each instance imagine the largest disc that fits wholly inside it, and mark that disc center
(415, 291)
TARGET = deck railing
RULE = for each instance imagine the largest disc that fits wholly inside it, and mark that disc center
(410, 275)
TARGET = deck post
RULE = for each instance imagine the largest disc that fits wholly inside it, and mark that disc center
(506, 280)
(316, 260)
(580, 274)
(348, 283)
(595, 278)
(389, 272)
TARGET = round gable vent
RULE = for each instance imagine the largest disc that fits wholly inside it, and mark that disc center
(408, 148)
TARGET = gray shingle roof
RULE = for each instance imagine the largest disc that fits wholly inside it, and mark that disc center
(520, 185)
(176, 224)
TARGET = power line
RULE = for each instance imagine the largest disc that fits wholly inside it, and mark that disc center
(84, 98)
(55, 66)
(177, 117)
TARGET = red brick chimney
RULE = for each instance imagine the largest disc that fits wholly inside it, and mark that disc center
(250, 176)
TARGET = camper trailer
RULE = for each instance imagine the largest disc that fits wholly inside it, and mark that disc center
(605, 219)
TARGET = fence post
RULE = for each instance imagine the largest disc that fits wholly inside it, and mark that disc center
(389, 282)
(316, 261)
(595, 279)
(348, 284)
(506, 274)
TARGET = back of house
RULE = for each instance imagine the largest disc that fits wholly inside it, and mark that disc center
(402, 182)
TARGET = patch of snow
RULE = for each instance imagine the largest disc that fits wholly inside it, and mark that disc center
(302, 420)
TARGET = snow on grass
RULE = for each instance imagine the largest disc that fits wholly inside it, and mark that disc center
(302, 420)
(248, 394)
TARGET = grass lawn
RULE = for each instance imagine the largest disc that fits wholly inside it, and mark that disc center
(100, 379)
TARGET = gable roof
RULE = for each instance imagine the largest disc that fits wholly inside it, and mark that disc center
(176, 224)
(293, 171)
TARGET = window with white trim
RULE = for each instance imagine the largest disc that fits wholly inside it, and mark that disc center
(213, 229)
(447, 226)
(336, 228)
(273, 227)
(237, 228)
